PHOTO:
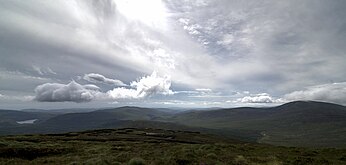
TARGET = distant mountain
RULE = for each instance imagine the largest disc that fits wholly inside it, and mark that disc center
(12, 116)
(100, 117)
(137, 113)
(299, 123)
(112, 117)
(10, 121)
(299, 111)
(60, 111)
(302, 123)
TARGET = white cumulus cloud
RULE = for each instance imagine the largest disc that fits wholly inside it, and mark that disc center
(258, 98)
(98, 78)
(335, 92)
(145, 87)
(74, 92)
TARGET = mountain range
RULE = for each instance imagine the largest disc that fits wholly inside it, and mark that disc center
(299, 123)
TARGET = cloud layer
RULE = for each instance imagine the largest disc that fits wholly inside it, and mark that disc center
(98, 78)
(335, 92)
(227, 46)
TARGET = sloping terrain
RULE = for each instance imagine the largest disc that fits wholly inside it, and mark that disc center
(11, 116)
(105, 118)
(300, 123)
(303, 123)
(115, 118)
(153, 146)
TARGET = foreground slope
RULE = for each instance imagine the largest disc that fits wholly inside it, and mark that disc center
(152, 146)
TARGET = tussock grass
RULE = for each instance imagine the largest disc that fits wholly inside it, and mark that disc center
(135, 147)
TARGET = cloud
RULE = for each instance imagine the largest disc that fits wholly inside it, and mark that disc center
(98, 78)
(257, 43)
(37, 69)
(74, 92)
(16, 97)
(43, 71)
(204, 93)
(335, 92)
(258, 46)
(204, 90)
(145, 87)
(258, 98)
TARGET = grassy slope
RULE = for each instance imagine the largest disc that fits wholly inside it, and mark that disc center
(153, 146)
(297, 123)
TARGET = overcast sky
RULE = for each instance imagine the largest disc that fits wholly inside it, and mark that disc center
(171, 53)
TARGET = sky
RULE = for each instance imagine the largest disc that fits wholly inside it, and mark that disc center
(171, 53)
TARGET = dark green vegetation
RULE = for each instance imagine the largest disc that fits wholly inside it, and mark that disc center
(300, 123)
(153, 146)
(10, 116)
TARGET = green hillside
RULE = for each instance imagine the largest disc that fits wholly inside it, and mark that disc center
(301, 123)
(153, 146)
